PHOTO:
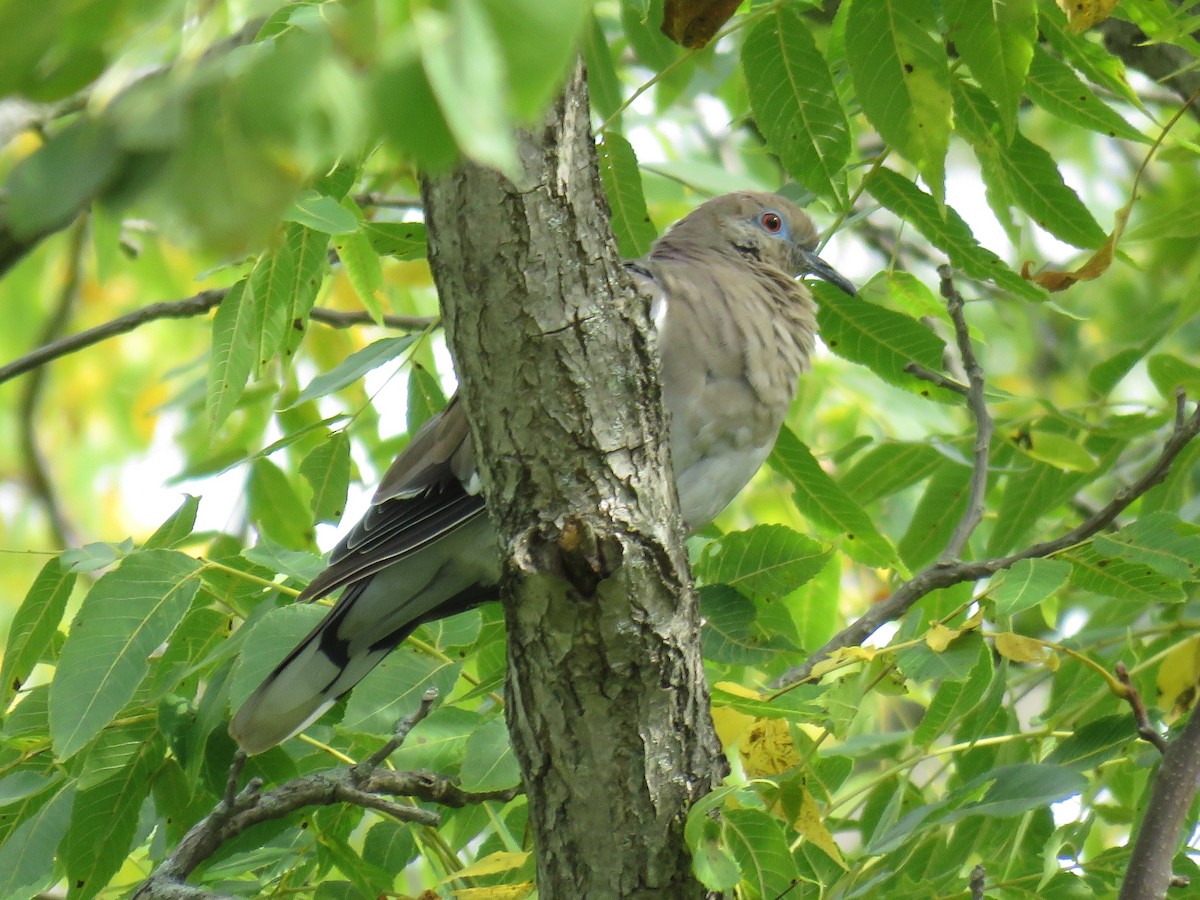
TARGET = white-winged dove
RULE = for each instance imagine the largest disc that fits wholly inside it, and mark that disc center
(735, 331)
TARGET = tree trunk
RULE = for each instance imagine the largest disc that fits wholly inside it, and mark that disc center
(607, 704)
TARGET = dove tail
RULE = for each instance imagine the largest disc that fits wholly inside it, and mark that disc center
(314, 676)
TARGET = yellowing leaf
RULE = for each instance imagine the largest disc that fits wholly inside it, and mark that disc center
(693, 23)
(841, 657)
(939, 637)
(738, 690)
(810, 824)
(492, 864)
(496, 892)
(1021, 649)
(1178, 678)
(767, 748)
(730, 724)
(1083, 14)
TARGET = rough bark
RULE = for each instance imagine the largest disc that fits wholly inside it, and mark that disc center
(607, 703)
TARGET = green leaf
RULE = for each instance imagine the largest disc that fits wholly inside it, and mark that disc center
(97, 555)
(820, 499)
(554, 29)
(399, 240)
(1161, 541)
(1059, 451)
(33, 627)
(953, 698)
(327, 470)
(730, 636)
(51, 186)
(425, 397)
(881, 339)
(604, 87)
(767, 561)
(712, 862)
(1028, 494)
(951, 234)
(1023, 171)
(1130, 583)
(233, 356)
(27, 855)
(104, 819)
(1094, 61)
(1028, 583)
(996, 41)
(309, 249)
(467, 73)
(125, 617)
(758, 843)
(902, 80)
(936, 516)
(439, 741)
(488, 761)
(1054, 86)
(1170, 373)
(275, 507)
(321, 213)
(1092, 744)
(394, 689)
(363, 270)
(623, 185)
(795, 103)
(888, 468)
(178, 528)
(272, 282)
(354, 367)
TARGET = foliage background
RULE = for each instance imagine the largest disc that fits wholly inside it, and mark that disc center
(281, 167)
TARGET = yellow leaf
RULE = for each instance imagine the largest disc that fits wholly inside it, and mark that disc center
(1021, 649)
(497, 892)
(810, 824)
(767, 748)
(1083, 14)
(493, 863)
(841, 658)
(738, 690)
(730, 724)
(1178, 678)
(939, 637)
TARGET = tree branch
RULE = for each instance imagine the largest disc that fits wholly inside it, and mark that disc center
(973, 514)
(1149, 873)
(942, 574)
(1145, 728)
(364, 785)
(198, 305)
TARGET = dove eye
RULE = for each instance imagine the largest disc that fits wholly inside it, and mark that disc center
(772, 222)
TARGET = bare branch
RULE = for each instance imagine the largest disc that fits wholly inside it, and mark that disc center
(942, 574)
(364, 785)
(978, 883)
(374, 198)
(1145, 729)
(973, 514)
(1175, 783)
(183, 309)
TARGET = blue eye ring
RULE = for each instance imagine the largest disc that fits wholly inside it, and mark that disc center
(771, 221)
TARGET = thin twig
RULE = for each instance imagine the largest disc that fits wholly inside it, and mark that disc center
(1145, 728)
(374, 198)
(364, 785)
(182, 309)
(37, 472)
(943, 575)
(976, 402)
(368, 766)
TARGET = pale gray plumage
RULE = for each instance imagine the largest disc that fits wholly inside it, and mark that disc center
(736, 329)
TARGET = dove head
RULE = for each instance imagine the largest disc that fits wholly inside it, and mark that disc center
(765, 228)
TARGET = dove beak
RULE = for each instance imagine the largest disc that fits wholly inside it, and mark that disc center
(811, 264)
